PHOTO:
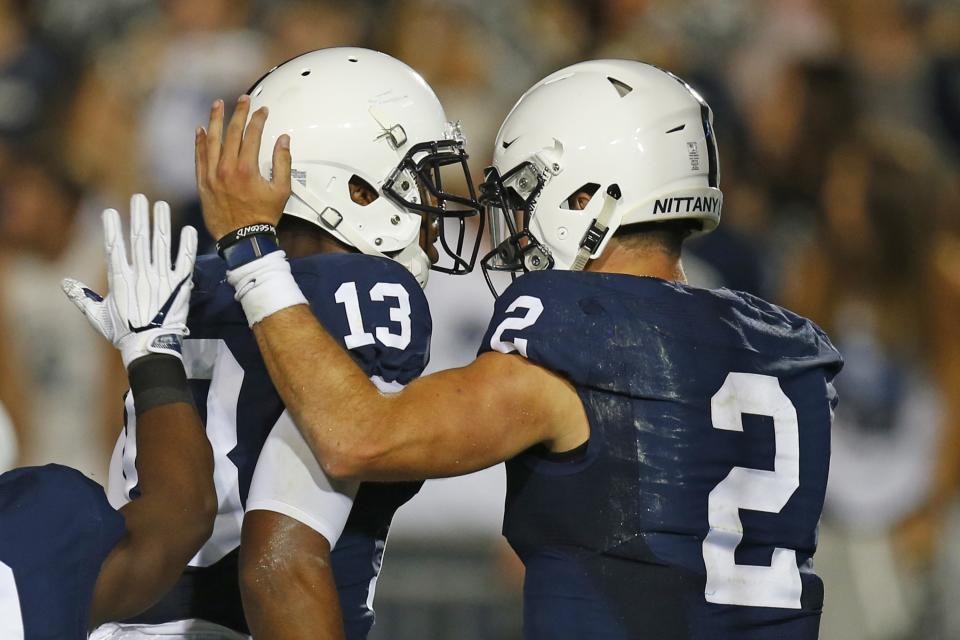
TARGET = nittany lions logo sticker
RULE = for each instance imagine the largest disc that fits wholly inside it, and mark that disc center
(689, 204)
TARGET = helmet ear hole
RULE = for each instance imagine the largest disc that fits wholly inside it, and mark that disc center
(581, 197)
(361, 192)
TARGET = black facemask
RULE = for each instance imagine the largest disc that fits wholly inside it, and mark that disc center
(420, 172)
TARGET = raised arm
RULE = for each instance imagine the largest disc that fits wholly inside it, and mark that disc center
(174, 515)
(445, 424)
(144, 316)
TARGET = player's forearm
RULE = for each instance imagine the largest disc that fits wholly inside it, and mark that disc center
(174, 514)
(332, 401)
(168, 523)
(174, 458)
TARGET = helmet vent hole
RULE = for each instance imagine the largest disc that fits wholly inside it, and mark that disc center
(352, 59)
(305, 72)
(580, 197)
(257, 91)
(622, 87)
(680, 127)
(361, 192)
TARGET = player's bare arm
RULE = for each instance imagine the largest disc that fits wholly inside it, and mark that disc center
(144, 315)
(366, 434)
(296, 596)
(171, 519)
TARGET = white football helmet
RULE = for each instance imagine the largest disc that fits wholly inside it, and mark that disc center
(638, 137)
(356, 112)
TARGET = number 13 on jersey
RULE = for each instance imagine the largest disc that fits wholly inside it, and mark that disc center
(400, 314)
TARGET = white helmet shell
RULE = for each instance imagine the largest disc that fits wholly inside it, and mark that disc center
(602, 123)
(352, 112)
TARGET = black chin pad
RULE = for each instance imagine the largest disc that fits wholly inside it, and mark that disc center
(509, 252)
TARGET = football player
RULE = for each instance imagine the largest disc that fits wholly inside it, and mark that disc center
(359, 225)
(667, 446)
(68, 560)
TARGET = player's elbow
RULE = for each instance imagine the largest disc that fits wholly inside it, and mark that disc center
(345, 466)
(195, 519)
(206, 515)
(192, 534)
(354, 455)
(356, 461)
(200, 514)
(204, 502)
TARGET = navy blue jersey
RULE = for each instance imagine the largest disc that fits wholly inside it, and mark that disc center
(692, 511)
(377, 310)
(56, 529)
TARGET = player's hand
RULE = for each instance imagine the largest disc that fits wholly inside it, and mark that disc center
(146, 308)
(232, 191)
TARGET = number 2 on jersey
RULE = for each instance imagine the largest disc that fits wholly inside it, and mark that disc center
(533, 308)
(779, 584)
(358, 336)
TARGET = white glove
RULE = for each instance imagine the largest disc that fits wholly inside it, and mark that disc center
(146, 309)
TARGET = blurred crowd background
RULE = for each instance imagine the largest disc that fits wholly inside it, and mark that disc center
(839, 132)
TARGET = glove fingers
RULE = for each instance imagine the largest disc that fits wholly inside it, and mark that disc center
(112, 238)
(187, 255)
(140, 233)
(161, 238)
(117, 265)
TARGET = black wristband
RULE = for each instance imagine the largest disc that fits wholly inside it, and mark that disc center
(235, 236)
(158, 379)
(249, 249)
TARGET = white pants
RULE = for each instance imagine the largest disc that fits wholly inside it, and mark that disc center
(179, 630)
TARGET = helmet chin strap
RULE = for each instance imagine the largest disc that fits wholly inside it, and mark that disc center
(598, 229)
(415, 261)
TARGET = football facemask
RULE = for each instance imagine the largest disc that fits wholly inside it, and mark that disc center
(418, 184)
(509, 202)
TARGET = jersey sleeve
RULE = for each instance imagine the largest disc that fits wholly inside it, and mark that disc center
(374, 307)
(547, 321)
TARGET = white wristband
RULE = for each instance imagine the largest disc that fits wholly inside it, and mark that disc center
(265, 286)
